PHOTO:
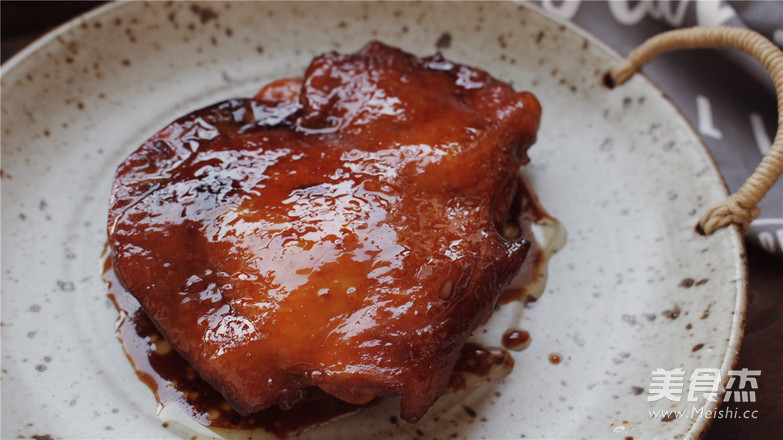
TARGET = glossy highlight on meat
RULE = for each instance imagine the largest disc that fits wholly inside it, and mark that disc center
(341, 231)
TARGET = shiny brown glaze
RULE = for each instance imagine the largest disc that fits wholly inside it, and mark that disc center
(175, 382)
(346, 234)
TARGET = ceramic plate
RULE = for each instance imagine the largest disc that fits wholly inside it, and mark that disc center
(633, 290)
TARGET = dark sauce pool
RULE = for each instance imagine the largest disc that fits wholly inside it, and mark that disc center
(527, 212)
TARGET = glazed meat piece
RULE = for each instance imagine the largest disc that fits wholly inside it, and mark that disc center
(341, 231)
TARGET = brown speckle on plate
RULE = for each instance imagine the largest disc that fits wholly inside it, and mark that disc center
(668, 417)
(444, 41)
(706, 312)
(672, 314)
(686, 283)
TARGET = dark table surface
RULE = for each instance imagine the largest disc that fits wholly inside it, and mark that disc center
(762, 348)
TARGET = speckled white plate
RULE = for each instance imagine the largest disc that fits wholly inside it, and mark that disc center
(621, 169)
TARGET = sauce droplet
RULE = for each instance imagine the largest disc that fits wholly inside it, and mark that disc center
(554, 358)
(516, 340)
(479, 364)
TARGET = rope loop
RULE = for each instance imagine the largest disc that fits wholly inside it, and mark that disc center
(740, 208)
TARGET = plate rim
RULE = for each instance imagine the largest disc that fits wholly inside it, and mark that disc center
(700, 427)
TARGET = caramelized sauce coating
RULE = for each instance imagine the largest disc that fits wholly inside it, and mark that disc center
(343, 231)
(175, 382)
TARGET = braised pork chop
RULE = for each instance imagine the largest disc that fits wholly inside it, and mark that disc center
(342, 231)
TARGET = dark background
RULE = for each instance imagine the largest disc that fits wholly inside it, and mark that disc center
(762, 349)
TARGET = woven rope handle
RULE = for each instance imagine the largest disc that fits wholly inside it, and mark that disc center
(742, 207)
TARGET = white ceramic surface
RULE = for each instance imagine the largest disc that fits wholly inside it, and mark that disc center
(621, 169)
